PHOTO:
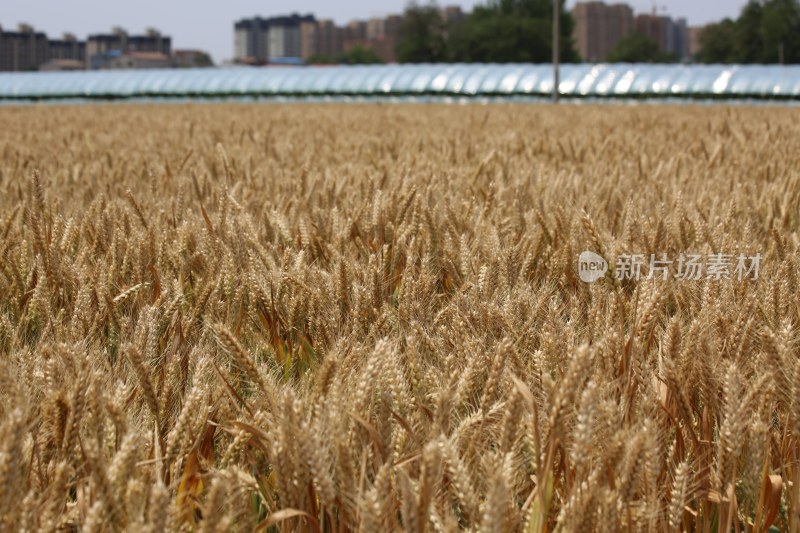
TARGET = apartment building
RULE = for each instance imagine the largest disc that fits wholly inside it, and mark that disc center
(695, 33)
(100, 44)
(681, 40)
(273, 40)
(375, 28)
(599, 27)
(671, 35)
(382, 35)
(259, 41)
(250, 39)
(329, 39)
(141, 60)
(27, 49)
(308, 39)
(355, 35)
(151, 41)
(67, 48)
(284, 43)
(104, 48)
(24, 49)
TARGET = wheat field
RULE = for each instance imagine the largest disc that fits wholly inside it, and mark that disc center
(239, 317)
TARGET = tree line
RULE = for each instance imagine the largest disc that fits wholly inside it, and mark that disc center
(520, 31)
(765, 32)
(499, 31)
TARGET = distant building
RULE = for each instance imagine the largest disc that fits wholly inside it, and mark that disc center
(151, 41)
(694, 40)
(599, 27)
(102, 60)
(308, 39)
(101, 43)
(27, 49)
(62, 65)
(275, 39)
(382, 36)
(140, 60)
(355, 31)
(104, 48)
(393, 24)
(329, 39)
(67, 48)
(283, 38)
(250, 40)
(24, 49)
(375, 28)
(672, 36)
(295, 38)
(680, 45)
(282, 41)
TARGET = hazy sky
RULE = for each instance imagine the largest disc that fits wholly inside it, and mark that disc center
(210, 26)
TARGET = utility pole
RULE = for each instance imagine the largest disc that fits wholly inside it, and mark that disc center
(556, 46)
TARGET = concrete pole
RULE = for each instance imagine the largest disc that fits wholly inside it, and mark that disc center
(556, 46)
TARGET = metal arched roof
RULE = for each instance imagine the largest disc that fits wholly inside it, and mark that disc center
(579, 80)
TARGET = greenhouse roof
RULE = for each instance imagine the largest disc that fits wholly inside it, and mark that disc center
(463, 80)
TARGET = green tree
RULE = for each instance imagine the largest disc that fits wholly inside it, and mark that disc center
(510, 31)
(718, 43)
(204, 60)
(423, 35)
(200, 60)
(749, 43)
(639, 48)
(500, 31)
(780, 30)
(360, 55)
(767, 31)
(504, 31)
(320, 59)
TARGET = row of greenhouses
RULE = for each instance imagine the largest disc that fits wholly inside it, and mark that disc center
(460, 80)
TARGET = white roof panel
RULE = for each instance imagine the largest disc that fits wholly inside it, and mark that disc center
(577, 80)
